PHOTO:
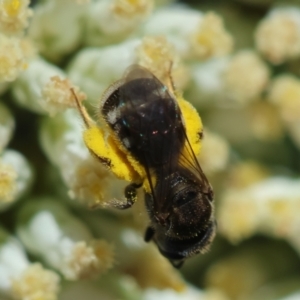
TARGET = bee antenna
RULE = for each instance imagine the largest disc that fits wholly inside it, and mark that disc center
(84, 115)
(171, 85)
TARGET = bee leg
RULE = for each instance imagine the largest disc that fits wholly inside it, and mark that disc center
(149, 234)
(130, 195)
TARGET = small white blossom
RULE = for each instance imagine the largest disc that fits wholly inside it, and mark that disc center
(270, 206)
(58, 95)
(15, 177)
(56, 27)
(27, 90)
(214, 155)
(245, 77)
(160, 57)
(94, 185)
(278, 35)
(207, 84)
(176, 23)
(21, 279)
(240, 78)
(13, 59)
(284, 92)
(14, 15)
(74, 253)
(210, 39)
(111, 21)
(94, 69)
(8, 176)
(61, 140)
(194, 34)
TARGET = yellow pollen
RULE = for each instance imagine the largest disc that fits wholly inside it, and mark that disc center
(12, 7)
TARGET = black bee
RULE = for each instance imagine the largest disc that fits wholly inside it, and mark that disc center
(145, 117)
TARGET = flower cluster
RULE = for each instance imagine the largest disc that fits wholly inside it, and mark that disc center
(238, 67)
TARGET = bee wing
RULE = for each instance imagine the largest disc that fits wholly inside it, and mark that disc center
(188, 159)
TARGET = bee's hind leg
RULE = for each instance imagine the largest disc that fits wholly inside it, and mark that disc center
(130, 195)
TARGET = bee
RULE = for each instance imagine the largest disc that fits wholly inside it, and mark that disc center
(158, 141)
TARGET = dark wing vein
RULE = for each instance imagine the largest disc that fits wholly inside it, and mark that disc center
(190, 160)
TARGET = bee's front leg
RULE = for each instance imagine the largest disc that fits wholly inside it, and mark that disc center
(130, 195)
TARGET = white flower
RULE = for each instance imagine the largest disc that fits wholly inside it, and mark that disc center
(270, 206)
(284, 92)
(61, 140)
(13, 58)
(240, 78)
(245, 77)
(27, 90)
(94, 69)
(21, 279)
(214, 153)
(111, 21)
(56, 27)
(176, 23)
(158, 56)
(59, 94)
(193, 34)
(14, 15)
(61, 240)
(207, 84)
(15, 177)
(94, 185)
(278, 35)
(210, 39)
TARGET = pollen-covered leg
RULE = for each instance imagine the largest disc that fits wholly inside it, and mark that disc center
(130, 195)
